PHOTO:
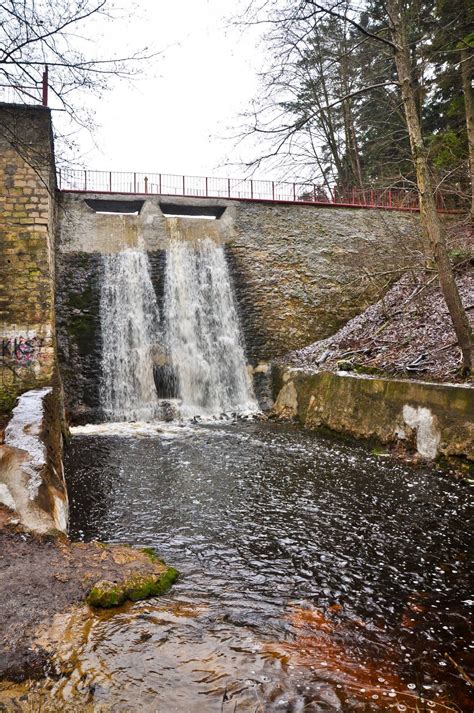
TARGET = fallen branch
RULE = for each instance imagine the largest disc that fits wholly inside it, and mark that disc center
(460, 670)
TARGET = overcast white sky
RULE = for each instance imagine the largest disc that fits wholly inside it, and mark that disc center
(175, 120)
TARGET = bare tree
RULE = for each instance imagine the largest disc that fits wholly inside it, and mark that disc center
(467, 72)
(436, 243)
(56, 34)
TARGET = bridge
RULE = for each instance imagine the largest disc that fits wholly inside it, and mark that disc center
(247, 189)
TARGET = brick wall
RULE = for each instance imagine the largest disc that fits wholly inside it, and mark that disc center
(27, 222)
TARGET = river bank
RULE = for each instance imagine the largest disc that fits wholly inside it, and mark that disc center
(45, 575)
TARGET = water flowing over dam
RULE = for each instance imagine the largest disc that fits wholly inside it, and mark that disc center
(197, 345)
(130, 323)
(203, 331)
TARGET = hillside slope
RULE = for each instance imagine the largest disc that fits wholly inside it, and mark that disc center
(407, 334)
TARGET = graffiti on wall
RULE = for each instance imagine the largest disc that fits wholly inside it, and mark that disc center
(21, 350)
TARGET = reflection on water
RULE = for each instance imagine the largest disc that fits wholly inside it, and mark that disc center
(315, 576)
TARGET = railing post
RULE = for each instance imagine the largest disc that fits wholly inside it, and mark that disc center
(134, 182)
(207, 192)
(85, 180)
(251, 188)
(146, 184)
(228, 187)
(184, 186)
(110, 181)
(273, 190)
(44, 97)
(294, 193)
(314, 193)
(159, 183)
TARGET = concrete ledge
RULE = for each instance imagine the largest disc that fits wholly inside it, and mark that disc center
(438, 419)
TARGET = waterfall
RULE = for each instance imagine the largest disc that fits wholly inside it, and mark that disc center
(202, 327)
(130, 338)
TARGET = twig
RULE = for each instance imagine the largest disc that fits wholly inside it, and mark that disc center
(460, 670)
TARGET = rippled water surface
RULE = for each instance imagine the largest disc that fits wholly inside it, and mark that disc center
(315, 575)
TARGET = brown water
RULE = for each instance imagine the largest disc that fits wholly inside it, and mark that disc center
(316, 576)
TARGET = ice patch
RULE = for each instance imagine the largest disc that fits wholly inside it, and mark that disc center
(427, 435)
(23, 431)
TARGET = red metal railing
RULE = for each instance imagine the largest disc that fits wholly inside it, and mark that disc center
(26, 94)
(78, 180)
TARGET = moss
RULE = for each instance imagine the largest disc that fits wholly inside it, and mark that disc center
(106, 595)
(152, 586)
(366, 369)
(151, 554)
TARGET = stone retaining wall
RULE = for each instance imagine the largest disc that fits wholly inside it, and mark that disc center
(27, 209)
(437, 419)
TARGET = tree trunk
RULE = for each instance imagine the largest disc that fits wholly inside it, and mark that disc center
(347, 113)
(467, 63)
(435, 243)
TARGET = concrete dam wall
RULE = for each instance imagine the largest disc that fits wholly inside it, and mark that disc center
(299, 271)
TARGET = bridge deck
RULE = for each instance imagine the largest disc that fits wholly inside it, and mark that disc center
(247, 189)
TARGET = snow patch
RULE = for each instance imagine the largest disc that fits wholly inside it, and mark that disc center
(24, 430)
(427, 435)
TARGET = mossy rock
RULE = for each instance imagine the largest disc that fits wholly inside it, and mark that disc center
(137, 586)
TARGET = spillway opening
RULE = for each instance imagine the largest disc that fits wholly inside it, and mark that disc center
(114, 207)
(178, 210)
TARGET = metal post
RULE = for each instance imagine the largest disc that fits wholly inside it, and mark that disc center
(207, 192)
(228, 187)
(85, 180)
(110, 181)
(45, 86)
(251, 188)
(134, 182)
(314, 193)
(294, 193)
(159, 183)
(146, 184)
(273, 190)
(184, 186)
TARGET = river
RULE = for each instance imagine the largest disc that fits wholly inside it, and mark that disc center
(316, 575)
